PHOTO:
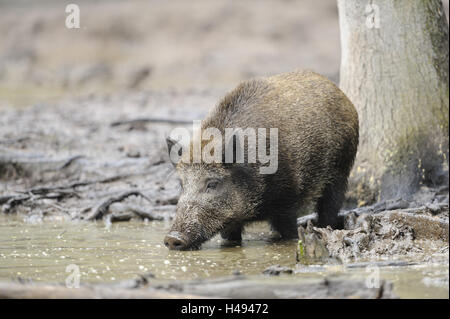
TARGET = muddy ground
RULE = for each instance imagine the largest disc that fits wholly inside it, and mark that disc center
(83, 114)
(65, 164)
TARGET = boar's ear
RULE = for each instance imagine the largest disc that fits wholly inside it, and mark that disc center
(175, 150)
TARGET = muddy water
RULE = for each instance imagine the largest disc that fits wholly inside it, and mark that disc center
(42, 251)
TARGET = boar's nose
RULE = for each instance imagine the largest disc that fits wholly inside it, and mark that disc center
(174, 241)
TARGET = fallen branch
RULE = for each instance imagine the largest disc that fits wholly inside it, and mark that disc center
(149, 120)
(4, 199)
(20, 291)
(14, 165)
(119, 217)
(127, 212)
(168, 201)
(11, 201)
(71, 160)
(44, 190)
(14, 140)
(143, 214)
(103, 208)
(235, 287)
(241, 287)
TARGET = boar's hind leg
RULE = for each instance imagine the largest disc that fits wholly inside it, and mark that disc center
(285, 224)
(232, 234)
(330, 203)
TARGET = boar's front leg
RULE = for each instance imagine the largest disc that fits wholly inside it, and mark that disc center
(232, 235)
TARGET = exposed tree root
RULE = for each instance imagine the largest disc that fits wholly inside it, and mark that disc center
(103, 208)
(127, 212)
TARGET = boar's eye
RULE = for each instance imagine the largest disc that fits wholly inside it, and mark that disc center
(211, 184)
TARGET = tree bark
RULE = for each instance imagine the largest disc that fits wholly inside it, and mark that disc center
(394, 68)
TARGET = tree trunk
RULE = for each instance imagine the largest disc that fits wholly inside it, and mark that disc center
(394, 68)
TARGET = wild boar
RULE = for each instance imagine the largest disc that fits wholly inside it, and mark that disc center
(317, 139)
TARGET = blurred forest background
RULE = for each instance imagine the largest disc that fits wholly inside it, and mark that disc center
(159, 45)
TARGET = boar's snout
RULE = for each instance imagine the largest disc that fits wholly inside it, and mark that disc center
(174, 241)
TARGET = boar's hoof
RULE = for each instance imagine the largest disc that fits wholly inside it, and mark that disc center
(174, 241)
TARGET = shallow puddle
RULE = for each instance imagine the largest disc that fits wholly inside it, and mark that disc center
(42, 252)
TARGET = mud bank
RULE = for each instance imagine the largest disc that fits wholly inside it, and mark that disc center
(419, 234)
